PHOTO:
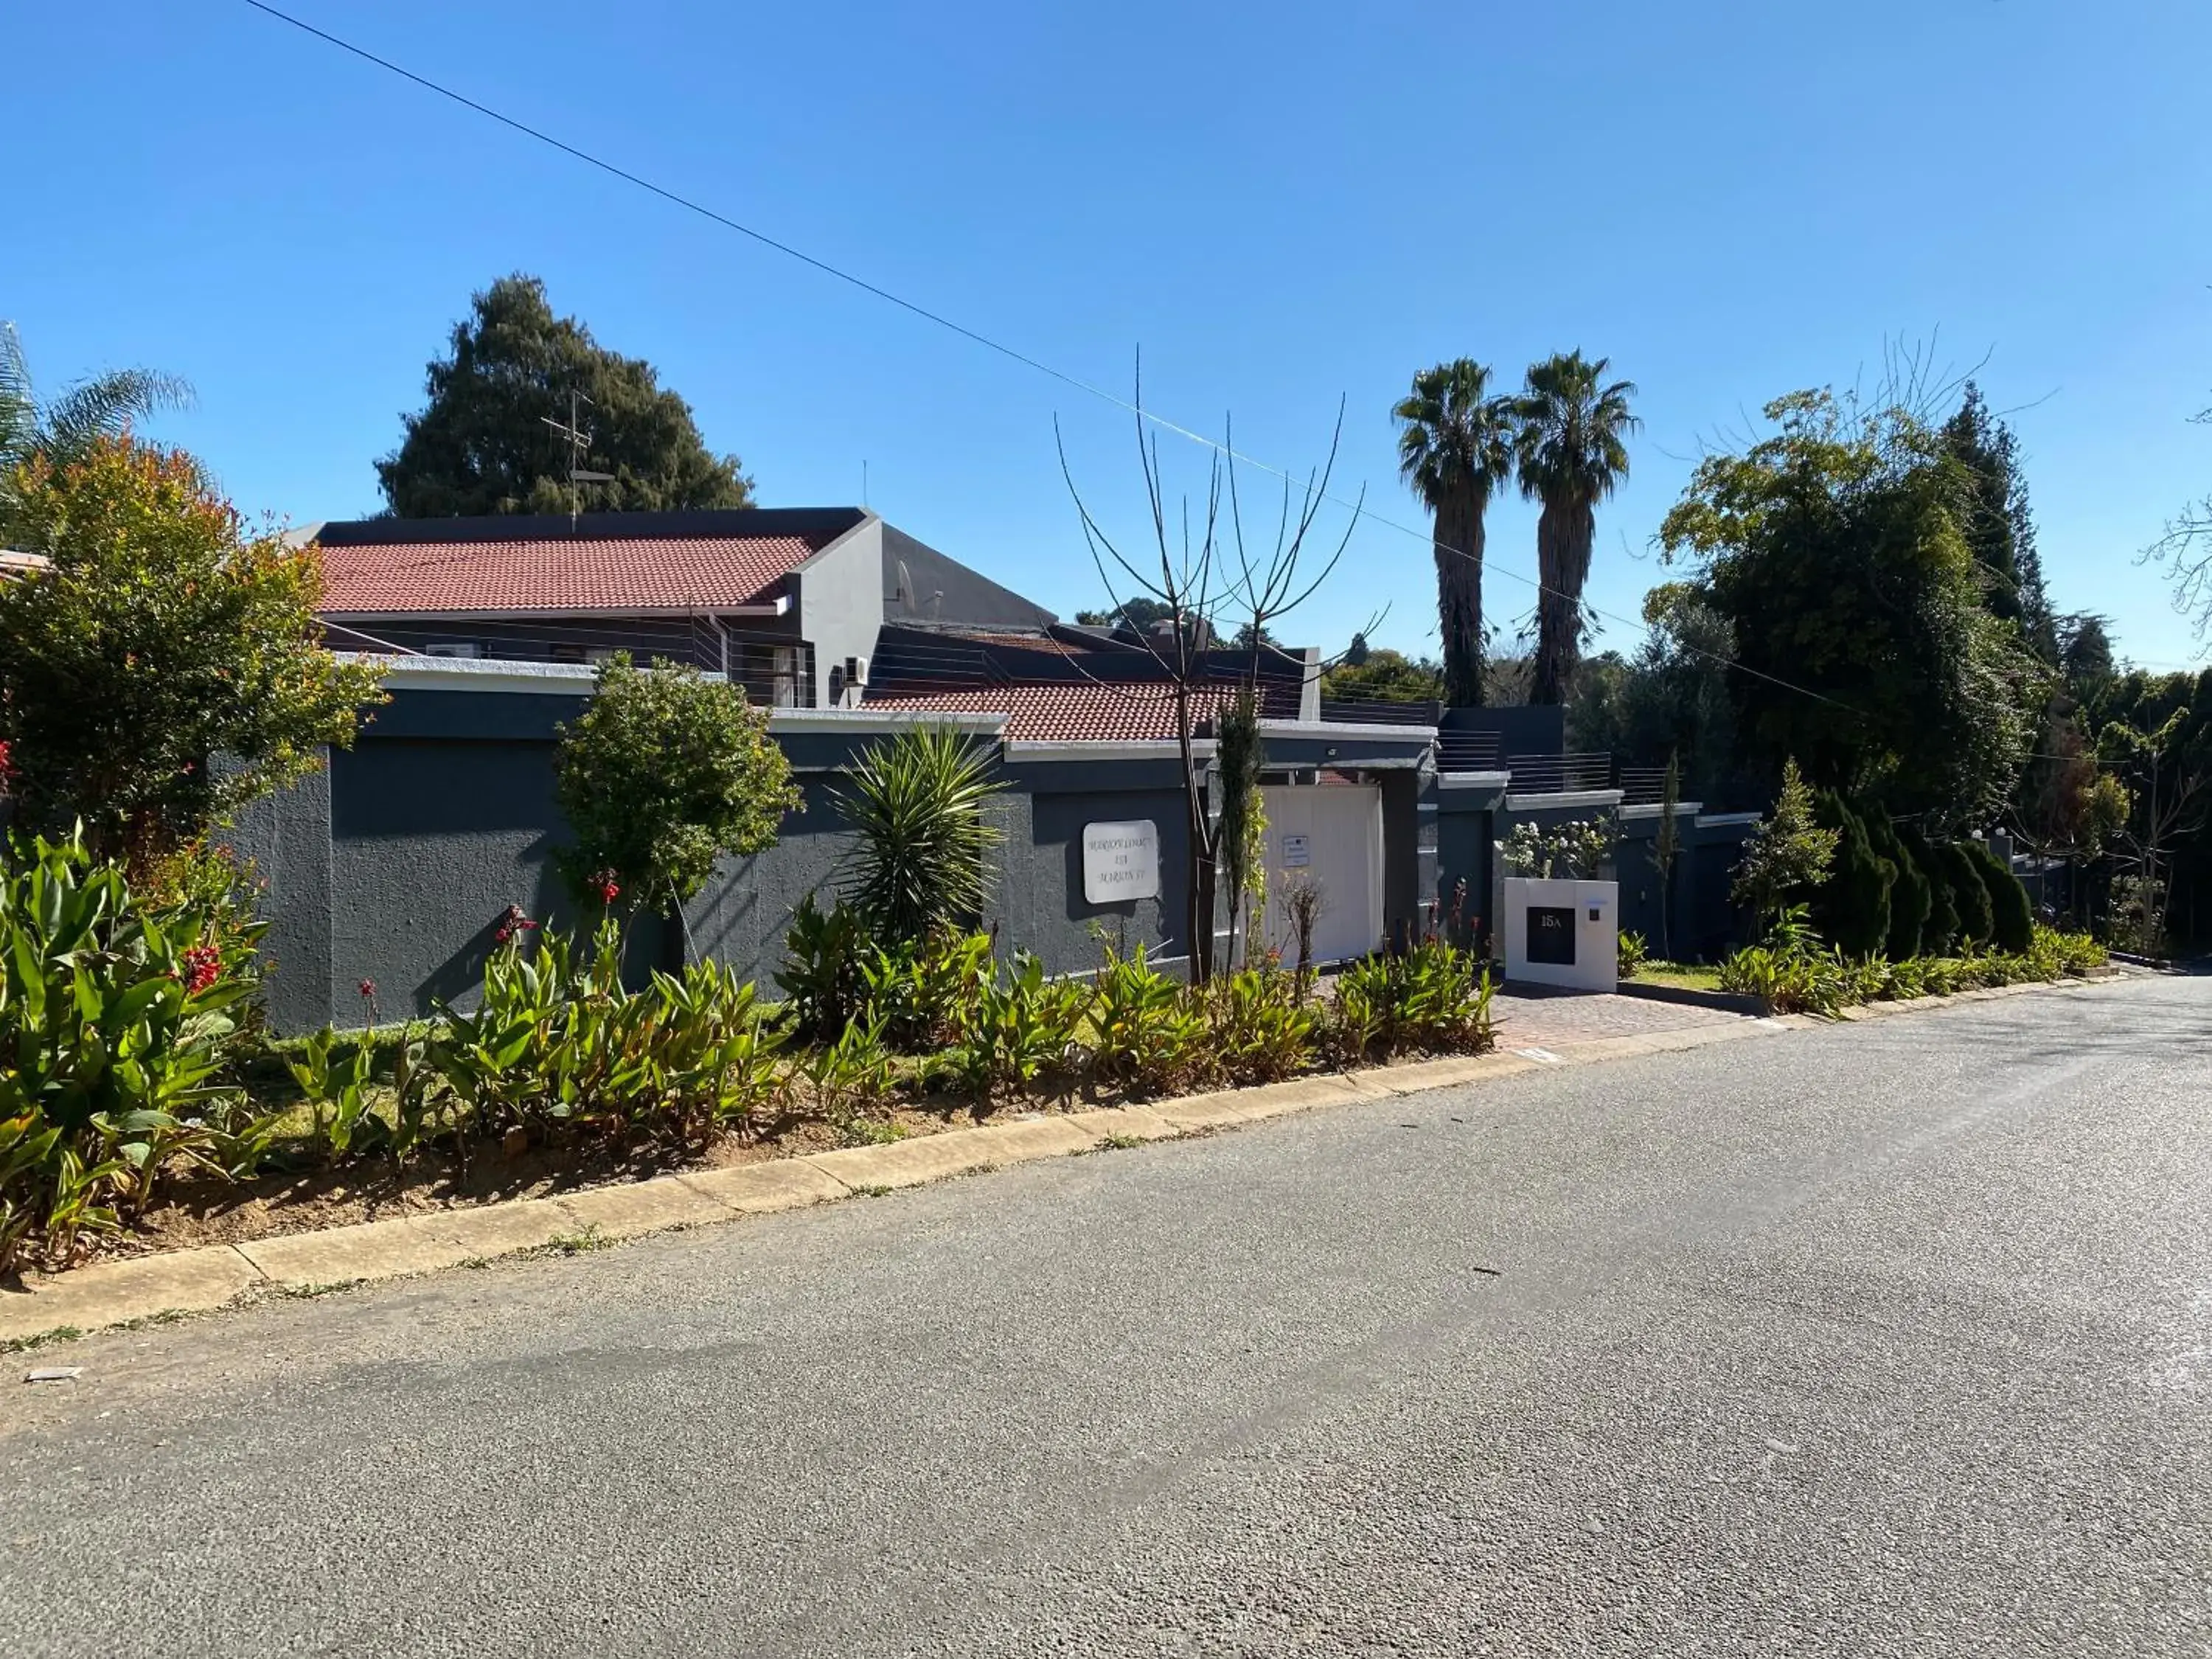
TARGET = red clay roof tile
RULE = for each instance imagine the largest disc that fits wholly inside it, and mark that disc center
(689, 572)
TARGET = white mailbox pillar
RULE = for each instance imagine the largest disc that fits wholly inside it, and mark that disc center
(1563, 932)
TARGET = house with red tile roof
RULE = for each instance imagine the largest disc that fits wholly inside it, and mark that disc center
(786, 600)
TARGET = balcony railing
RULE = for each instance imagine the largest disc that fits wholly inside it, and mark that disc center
(1556, 775)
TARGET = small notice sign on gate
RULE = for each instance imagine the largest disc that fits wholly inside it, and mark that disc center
(1298, 852)
(1121, 861)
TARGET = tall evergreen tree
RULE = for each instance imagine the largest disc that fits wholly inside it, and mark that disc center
(1970, 896)
(1998, 526)
(1908, 889)
(483, 444)
(1939, 932)
(1851, 907)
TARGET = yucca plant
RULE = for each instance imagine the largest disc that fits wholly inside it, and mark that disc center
(917, 801)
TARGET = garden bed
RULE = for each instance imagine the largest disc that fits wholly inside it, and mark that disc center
(197, 1210)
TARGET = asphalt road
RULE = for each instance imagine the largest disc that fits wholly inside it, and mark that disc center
(1889, 1338)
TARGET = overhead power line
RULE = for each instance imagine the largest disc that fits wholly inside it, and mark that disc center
(690, 205)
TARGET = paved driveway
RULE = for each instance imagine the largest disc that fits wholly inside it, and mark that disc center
(1888, 1339)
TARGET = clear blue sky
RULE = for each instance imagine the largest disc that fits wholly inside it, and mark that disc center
(1283, 204)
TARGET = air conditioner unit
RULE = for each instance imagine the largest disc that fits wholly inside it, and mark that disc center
(856, 670)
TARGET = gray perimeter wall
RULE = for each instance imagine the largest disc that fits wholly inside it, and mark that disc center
(397, 863)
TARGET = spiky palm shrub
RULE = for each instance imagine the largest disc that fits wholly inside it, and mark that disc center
(917, 800)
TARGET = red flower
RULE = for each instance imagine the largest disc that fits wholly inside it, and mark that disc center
(203, 966)
(366, 988)
(7, 768)
(511, 923)
(605, 885)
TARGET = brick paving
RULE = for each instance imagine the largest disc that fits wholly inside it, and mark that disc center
(1527, 1016)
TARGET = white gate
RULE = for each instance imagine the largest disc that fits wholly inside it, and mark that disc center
(1331, 834)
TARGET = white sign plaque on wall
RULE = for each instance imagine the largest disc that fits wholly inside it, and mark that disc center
(1298, 852)
(1121, 861)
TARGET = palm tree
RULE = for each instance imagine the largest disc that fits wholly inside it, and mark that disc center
(1572, 450)
(63, 428)
(1455, 447)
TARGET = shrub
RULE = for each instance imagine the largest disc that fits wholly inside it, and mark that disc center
(115, 1012)
(1634, 954)
(1939, 932)
(1435, 997)
(927, 993)
(161, 634)
(853, 1077)
(2012, 918)
(1788, 854)
(1850, 906)
(825, 973)
(1908, 890)
(1575, 850)
(917, 801)
(1260, 1031)
(1146, 1033)
(558, 1046)
(667, 771)
(1969, 898)
(1020, 1027)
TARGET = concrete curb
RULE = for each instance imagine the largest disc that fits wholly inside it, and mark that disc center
(224, 1275)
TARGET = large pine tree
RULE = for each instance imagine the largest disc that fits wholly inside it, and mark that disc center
(483, 444)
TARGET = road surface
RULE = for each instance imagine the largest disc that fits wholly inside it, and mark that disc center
(1885, 1338)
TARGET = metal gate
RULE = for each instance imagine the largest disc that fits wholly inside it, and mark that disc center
(1330, 835)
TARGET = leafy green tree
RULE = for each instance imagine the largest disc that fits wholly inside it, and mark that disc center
(64, 428)
(1570, 448)
(1833, 550)
(1383, 676)
(482, 445)
(1454, 449)
(1851, 907)
(1939, 933)
(167, 668)
(1995, 519)
(1788, 854)
(1671, 699)
(923, 865)
(667, 771)
(1138, 613)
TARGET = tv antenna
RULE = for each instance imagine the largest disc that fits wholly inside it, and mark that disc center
(578, 439)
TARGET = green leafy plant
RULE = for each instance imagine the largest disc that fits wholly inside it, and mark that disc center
(852, 1077)
(336, 1090)
(1435, 997)
(1022, 1027)
(1789, 853)
(825, 973)
(927, 992)
(1634, 955)
(1145, 1034)
(666, 771)
(917, 801)
(114, 1017)
(160, 634)
(1260, 1029)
